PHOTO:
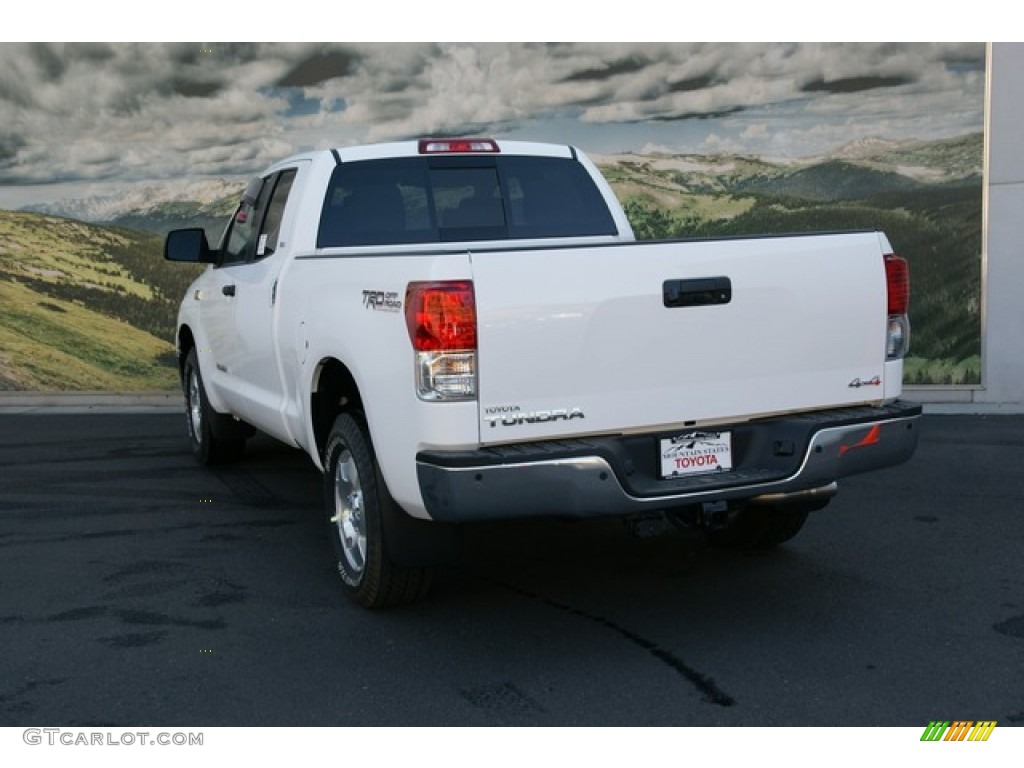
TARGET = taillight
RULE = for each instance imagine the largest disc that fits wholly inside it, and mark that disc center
(897, 280)
(897, 284)
(454, 146)
(441, 318)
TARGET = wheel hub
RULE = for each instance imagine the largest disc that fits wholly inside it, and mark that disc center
(349, 513)
(195, 411)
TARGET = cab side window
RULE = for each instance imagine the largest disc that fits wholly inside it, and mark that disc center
(253, 231)
(240, 238)
(270, 232)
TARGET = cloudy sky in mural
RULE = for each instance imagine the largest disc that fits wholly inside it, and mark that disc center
(76, 118)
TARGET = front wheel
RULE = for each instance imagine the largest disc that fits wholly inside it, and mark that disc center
(355, 502)
(208, 444)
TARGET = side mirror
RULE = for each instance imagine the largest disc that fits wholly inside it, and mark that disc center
(189, 245)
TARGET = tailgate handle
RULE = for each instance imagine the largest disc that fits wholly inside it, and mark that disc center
(697, 292)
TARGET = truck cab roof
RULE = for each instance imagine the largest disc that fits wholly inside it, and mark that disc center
(415, 148)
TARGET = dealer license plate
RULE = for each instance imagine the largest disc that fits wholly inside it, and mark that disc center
(696, 453)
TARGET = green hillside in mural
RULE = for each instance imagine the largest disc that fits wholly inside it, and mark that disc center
(84, 307)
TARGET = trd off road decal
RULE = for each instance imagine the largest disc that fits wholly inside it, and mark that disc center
(382, 301)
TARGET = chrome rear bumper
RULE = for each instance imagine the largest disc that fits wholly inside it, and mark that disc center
(778, 458)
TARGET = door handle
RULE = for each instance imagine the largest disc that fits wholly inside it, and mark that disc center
(228, 290)
(698, 292)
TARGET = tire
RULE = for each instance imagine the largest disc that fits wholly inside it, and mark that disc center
(753, 528)
(205, 426)
(356, 502)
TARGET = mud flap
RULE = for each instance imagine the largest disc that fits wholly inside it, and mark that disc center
(415, 543)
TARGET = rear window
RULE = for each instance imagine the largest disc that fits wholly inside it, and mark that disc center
(444, 199)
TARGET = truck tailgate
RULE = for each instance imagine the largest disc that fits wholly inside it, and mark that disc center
(643, 336)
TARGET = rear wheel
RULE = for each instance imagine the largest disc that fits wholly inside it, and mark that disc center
(208, 446)
(356, 502)
(758, 527)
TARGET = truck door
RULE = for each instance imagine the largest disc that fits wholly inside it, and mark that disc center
(255, 252)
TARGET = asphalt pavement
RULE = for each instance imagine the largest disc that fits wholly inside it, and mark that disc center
(139, 588)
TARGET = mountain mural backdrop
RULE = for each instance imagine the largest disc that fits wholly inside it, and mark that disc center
(87, 303)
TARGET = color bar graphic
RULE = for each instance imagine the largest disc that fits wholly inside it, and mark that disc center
(958, 730)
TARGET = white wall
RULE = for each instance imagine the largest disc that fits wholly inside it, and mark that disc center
(1002, 244)
(1003, 336)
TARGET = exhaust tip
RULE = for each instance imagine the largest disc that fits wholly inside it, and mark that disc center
(822, 493)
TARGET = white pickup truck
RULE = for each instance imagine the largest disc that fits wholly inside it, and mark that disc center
(465, 330)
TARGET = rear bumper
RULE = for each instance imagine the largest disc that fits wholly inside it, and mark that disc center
(618, 475)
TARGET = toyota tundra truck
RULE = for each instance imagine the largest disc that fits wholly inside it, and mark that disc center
(462, 330)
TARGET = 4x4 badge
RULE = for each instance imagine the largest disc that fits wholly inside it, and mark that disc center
(875, 381)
